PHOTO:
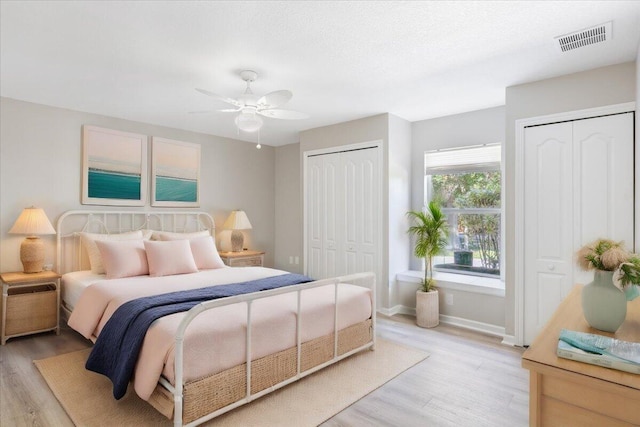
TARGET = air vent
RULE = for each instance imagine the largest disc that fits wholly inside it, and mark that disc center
(598, 34)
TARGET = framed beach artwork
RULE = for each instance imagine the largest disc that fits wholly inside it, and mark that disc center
(175, 173)
(114, 167)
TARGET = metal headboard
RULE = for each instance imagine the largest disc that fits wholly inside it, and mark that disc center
(69, 253)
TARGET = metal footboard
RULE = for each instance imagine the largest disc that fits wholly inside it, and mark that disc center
(361, 279)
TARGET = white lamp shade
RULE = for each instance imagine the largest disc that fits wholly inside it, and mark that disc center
(248, 121)
(237, 221)
(32, 221)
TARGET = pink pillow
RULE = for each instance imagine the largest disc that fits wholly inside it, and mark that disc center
(205, 253)
(123, 258)
(168, 235)
(171, 257)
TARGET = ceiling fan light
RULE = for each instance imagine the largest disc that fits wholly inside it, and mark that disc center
(248, 122)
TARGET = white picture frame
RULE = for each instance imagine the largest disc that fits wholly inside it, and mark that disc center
(114, 167)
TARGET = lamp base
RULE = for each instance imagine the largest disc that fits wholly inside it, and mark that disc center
(237, 241)
(32, 254)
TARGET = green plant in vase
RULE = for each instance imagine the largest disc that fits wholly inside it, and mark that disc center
(616, 280)
(430, 229)
(608, 255)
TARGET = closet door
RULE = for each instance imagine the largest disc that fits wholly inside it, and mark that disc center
(578, 183)
(343, 213)
(603, 174)
(361, 213)
(324, 219)
(547, 223)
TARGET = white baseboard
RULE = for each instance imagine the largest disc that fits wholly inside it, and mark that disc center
(460, 322)
(509, 340)
(398, 309)
(473, 325)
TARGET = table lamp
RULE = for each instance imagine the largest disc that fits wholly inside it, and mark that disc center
(237, 221)
(32, 222)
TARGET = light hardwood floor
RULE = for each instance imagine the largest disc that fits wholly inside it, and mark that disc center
(469, 380)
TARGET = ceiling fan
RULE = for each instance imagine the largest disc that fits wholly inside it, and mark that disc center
(250, 107)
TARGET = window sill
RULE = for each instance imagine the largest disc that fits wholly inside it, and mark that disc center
(458, 282)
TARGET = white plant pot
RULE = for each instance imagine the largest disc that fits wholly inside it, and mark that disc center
(427, 309)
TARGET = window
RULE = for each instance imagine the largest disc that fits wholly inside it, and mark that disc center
(467, 183)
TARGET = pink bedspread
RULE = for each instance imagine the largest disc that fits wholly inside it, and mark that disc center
(215, 340)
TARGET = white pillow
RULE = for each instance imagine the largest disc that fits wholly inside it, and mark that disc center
(123, 258)
(89, 242)
(167, 258)
(205, 253)
(168, 235)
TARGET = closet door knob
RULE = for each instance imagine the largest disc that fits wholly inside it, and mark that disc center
(552, 267)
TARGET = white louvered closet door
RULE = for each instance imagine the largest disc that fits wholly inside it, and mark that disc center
(579, 186)
(343, 195)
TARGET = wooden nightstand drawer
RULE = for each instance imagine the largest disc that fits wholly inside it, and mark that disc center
(31, 309)
(246, 262)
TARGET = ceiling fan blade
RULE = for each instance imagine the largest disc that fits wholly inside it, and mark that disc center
(219, 97)
(226, 110)
(284, 114)
(275, 99)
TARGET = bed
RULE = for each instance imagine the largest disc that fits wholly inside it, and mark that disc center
(193, 365)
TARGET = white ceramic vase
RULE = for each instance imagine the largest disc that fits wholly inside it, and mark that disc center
(427, 309)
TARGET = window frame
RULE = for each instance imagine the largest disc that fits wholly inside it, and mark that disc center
(477, 167)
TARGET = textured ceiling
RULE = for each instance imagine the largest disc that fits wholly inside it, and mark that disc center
(342, 60)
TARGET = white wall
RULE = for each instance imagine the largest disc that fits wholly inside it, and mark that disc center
(594, 88)
(399, 187)
(40, 164)
(637, 245)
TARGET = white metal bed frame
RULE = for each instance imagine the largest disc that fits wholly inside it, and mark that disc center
(186, 221)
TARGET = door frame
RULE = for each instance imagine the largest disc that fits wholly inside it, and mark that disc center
(520, 126)
(380, 271)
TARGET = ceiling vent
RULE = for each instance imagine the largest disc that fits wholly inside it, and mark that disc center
(597, 34)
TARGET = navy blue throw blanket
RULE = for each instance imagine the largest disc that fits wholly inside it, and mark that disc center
(116, 350)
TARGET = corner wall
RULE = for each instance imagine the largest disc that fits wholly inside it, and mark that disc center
(288, 205)
(40, 164)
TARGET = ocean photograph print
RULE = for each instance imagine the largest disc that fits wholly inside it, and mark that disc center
(114, 167)
(175, 173)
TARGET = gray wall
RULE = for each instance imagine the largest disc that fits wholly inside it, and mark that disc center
(40, 164)
(288, 226)
(594, 88)
(472, 128)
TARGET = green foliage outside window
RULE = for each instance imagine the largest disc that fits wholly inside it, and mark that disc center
(474, 190)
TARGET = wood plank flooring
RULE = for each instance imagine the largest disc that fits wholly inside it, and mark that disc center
(469, 380)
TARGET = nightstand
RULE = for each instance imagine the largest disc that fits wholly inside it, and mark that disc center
(30, 303)
(243, 259)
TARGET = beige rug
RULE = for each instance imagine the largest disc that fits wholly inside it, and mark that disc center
(87, 398)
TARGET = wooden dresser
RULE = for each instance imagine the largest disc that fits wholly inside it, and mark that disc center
(568, 393)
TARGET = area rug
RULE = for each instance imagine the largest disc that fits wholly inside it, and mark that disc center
(87, 396)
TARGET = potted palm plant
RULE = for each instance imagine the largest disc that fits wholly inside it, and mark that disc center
(430, 230)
